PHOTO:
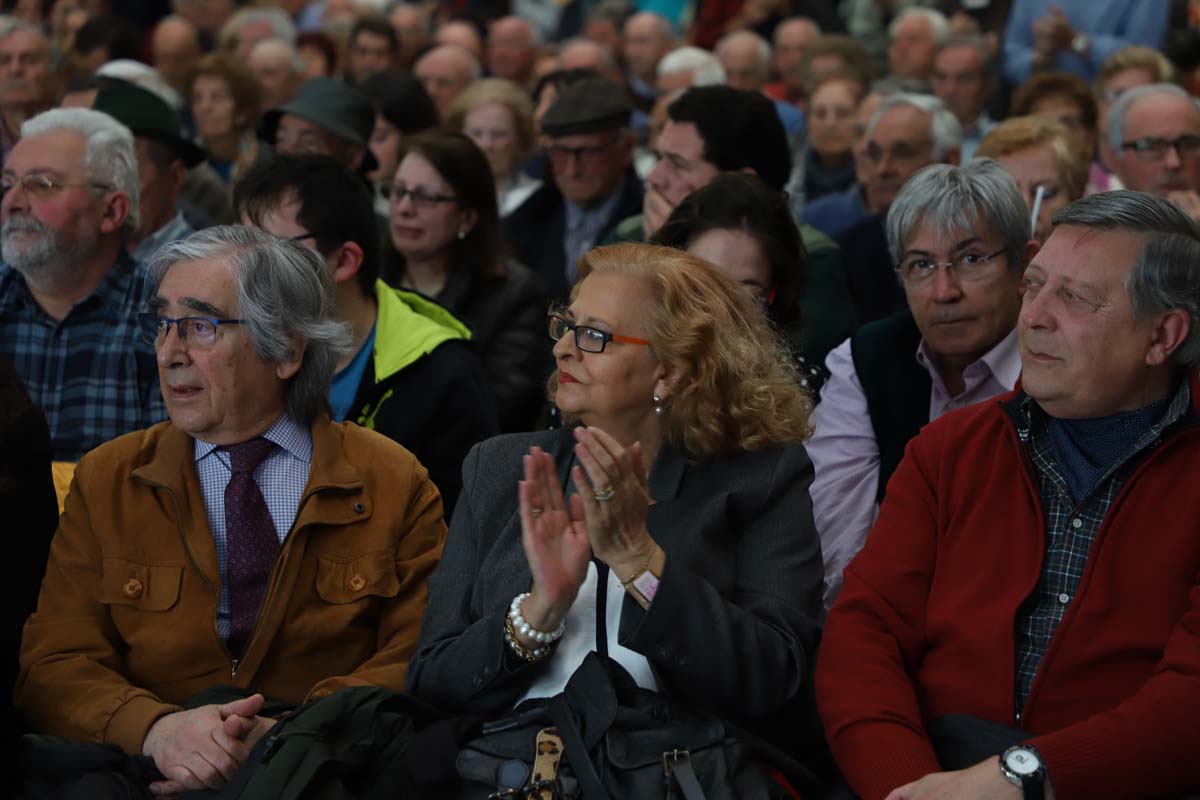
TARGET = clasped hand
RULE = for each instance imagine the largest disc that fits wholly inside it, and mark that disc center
(203, 748)
(561, 537)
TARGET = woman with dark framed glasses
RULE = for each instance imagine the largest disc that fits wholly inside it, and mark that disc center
(667, 524)
(444, 241)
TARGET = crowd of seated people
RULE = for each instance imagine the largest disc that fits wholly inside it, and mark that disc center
(829, 368)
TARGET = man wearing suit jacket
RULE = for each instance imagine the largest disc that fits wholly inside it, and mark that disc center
(594, 186)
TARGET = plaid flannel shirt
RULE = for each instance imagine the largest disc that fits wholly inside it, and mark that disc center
(1070, 531)
(91, 373)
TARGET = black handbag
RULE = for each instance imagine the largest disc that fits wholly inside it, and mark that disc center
(621, 741)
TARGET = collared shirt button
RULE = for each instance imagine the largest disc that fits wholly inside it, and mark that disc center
(357, 583)
(1077, 523)
(1064, 598)
(132, 588)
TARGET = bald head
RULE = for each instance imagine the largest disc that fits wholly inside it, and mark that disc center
(746, 57)
(176, 47)
(648, 37)
(463, 34)
(444, 72)
(512, 49)
(586, 54)
(792, 39)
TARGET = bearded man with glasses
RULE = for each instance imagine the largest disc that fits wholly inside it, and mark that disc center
(69, 292)
(1154, 133)
(960, 239)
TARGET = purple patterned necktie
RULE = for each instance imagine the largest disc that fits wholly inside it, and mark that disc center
(250, 536)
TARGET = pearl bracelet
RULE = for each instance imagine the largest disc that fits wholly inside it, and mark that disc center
(519, 623)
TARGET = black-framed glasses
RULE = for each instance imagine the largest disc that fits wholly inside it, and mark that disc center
(198, 332)
(587, 339)
(39, 186)
(1153, 148)
(918, 270)
(420, 198)
(587, 153)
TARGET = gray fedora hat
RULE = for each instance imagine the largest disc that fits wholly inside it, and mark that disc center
(334, 105)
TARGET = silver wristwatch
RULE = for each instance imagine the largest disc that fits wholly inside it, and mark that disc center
(1022, 766)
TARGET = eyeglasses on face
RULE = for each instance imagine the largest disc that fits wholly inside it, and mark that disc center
(589, 340)
(919, 270)
(1153, 148)
(590, 153)
(198, 332)
(420, 198)
(39, 186)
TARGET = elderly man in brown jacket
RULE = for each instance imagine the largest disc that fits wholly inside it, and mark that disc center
(249, 541)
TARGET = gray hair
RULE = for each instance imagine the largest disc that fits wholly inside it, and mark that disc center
(284, 294)
(706, 69)
(287, 49)
(109, 158)
(761, 45)
(1120, 109)
(282, 26)
(11, 25)
(664, 26)
(944, 128)
(975, 42)
(607, 58)
(1164, 277)
(936, 19)
(956, 200)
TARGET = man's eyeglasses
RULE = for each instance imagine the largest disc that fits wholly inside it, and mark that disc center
(198, 332)
(590, 153)
(1152, 148)
(39, 186)
(420, 198)
(918, 270)
(589, 340)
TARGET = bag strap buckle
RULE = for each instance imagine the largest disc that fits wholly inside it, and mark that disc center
(677, 769)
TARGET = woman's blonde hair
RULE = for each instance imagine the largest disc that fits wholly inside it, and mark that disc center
(736, 386)
(502, 92)
(1036, 130)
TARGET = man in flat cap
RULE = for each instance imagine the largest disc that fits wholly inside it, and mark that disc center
(328, 117)
(163, 159)
(586, 136)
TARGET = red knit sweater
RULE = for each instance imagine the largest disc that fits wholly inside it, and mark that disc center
(925, 622)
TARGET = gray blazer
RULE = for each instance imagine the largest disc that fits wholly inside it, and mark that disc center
(732, 629)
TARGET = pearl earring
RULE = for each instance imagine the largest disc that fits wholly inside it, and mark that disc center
(658, 406)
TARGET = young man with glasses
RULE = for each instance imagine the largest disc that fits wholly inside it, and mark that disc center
(1154, 133)
(411, 373)
(69, 292)
(960, 239)
(594, 186)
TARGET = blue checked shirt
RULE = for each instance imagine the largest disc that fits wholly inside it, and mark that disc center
(91, 373)
(1070, 531)
(281, 478)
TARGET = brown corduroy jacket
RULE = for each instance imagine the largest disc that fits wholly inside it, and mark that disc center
(125, 629)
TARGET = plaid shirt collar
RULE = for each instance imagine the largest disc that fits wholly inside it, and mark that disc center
(114, 291)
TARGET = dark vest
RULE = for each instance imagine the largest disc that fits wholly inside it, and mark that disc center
(896, 386)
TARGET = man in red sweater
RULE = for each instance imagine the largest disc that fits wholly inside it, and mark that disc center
(1025, 617)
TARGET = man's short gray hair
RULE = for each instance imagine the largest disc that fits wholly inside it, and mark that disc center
(706, 69)
(977, 198)
(762, 47)
(944, 128)
(1120, 109)
(11, 25)
(282, 26)
(938, 23)
(284, 294)
(109, 158)
(287, 49)
(1165, 276)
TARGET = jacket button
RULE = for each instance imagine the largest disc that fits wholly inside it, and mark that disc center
(359, 508)
(132, 588)
(357, 583)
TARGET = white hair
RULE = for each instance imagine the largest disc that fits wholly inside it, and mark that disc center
(282, 26)
(706, 69)
(944, 128)
(279, 45)
(109, 159)
(762, 46)
(936, 19)
(1120, 109)
(10, 25)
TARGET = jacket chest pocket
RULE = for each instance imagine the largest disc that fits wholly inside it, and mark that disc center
(343, 581)
(140, 587)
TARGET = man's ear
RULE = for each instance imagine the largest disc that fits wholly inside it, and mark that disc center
(289, 365)
(1170, 332)
(116, 211)
(354, 158)
(348, 260)
(177, 175)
